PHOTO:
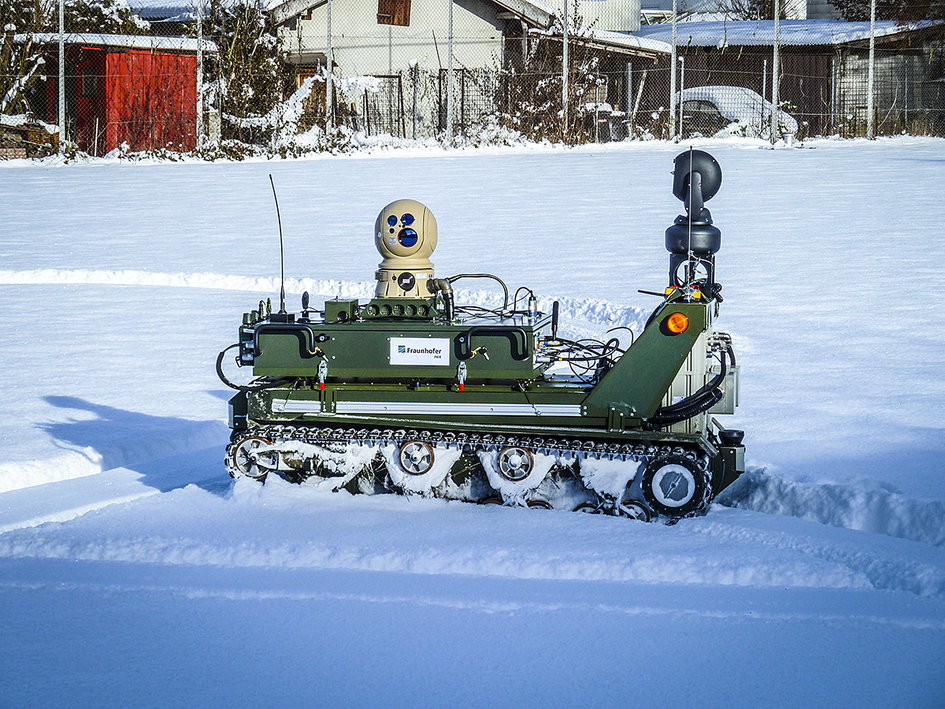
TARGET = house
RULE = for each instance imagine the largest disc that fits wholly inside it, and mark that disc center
(823, 69)
(390, 59)
(659, 11)
(121, 89)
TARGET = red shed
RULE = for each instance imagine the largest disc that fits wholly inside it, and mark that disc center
(129, 89)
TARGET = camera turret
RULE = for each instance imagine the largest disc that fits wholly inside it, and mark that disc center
(405, 235)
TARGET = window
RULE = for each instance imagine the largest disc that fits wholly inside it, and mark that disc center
(393, 12)
(89, 81)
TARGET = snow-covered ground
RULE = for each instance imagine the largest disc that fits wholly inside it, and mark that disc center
(134, 572)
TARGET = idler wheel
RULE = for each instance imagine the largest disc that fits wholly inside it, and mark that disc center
(416, 457)
(674, 486)
(247, 460)
(538, 503)
(515, 463)
(635, 509)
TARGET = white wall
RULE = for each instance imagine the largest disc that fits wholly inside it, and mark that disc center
(617, 15)
(361, 46)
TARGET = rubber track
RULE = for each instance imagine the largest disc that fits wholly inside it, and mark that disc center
(471, 442)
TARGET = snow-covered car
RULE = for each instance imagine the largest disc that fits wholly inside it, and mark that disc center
(720, 111)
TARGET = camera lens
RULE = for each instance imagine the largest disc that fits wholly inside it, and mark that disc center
(407, 219)
(407, 237)
(392, 220)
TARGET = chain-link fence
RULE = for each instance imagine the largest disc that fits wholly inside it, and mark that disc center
(508, 72)
(822, 91)
(136, 93)
(453, 71)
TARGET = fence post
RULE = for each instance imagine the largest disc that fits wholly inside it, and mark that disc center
(415, 79)
(628, 104)
(62, 74)
(682, 85)
(870, 128)
(329, 78)
(774, 72)
(764, 94)
(564, 75)
(199, 97)
(672, 77)
(449, 79)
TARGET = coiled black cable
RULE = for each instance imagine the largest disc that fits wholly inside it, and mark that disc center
(702, 400)
(259, 386)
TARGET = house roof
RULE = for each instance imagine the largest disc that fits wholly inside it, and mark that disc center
(124, 41)
(761, 32)
(534, 13)
(619, 42)
(168, 10)
(681, 5)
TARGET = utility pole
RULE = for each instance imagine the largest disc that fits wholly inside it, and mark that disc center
(199, 75)
(564, 75)
(870, 108)
(775, 112)
(672, 77)
(329, 78)
(62, 73)
(449, 79)
(682, 86)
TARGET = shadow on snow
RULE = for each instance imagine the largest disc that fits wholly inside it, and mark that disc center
(168, 452)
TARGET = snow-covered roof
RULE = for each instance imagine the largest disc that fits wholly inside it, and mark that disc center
(173, 10)
(125, 41)
(537, 13)
(610, 39)
(761, 32)
(681, 5)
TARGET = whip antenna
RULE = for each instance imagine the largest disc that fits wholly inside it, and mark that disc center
(690, 270)
(281, 249)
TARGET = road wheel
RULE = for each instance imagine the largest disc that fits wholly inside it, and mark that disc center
(515, 463)
(589, 508)
(635, 509)
(416, 457)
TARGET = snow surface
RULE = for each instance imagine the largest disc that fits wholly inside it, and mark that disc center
(134, 572)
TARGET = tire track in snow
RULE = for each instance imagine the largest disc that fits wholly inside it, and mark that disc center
(128, 580)
(883, 568)
(597, 311)
(863, 506)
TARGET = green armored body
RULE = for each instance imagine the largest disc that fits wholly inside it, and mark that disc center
(411, 392)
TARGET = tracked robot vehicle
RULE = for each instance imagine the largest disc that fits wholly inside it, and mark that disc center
(413, 393)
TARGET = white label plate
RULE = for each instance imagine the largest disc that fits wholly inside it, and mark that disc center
(426, 351)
